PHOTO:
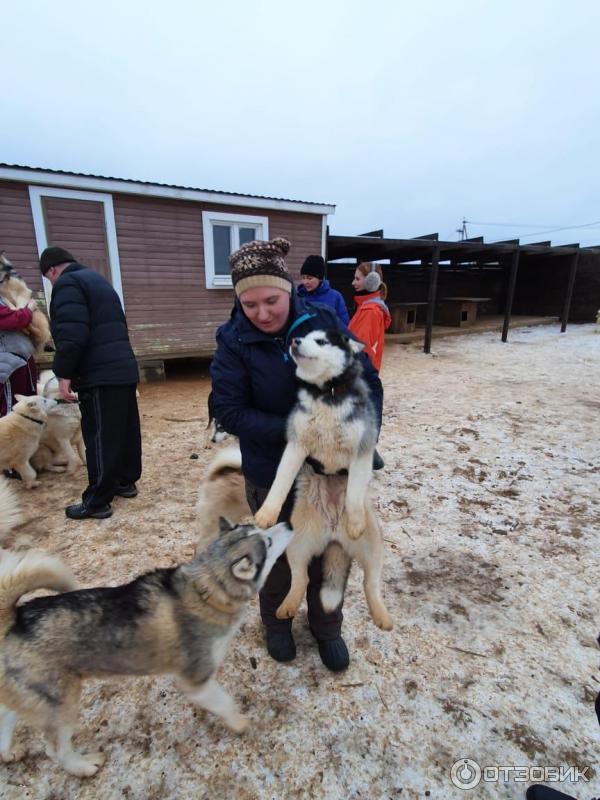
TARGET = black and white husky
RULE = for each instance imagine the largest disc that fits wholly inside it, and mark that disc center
(331, 437)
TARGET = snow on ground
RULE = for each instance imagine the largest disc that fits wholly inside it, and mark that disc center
(490, 505)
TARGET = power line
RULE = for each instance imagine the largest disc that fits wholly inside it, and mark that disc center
(546, 229)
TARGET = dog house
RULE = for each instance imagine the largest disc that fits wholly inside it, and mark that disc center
(453, 283)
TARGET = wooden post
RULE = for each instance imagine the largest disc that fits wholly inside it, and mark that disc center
(567, 305)
(433, 278)
(512, 280)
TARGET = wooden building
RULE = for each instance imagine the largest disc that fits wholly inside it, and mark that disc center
(164, 248)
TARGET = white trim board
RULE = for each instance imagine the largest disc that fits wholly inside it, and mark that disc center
(80, 182)
(41, 237)
(213, 281)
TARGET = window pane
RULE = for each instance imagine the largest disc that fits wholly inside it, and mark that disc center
(222, 248)
(247, 235)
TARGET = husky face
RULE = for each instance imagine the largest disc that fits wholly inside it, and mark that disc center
(34, 406)
(241, 558)
(321, 356)
(219, 434)
(7, 271)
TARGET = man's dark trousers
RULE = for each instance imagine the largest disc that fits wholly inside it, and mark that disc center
(110, 424)
(324, 626)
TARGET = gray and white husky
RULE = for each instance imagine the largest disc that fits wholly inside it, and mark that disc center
(171, 621)
(331, 437)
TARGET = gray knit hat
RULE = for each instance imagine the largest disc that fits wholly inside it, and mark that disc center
(258, 264)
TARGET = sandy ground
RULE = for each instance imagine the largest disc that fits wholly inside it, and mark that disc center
(490, 504)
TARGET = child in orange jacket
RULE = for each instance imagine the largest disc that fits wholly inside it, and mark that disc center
(372, 317)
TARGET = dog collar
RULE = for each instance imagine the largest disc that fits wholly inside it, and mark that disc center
(37, 421)
(333, 389)
(319, 469)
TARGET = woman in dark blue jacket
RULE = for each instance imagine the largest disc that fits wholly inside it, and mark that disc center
(254, 389)
(316, 289)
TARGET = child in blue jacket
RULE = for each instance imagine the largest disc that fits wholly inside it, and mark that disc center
(316, 289)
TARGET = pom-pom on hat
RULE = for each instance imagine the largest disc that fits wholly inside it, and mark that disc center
(314, 266)
(258, 264)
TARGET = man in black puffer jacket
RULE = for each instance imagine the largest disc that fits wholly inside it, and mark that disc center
(94, 357)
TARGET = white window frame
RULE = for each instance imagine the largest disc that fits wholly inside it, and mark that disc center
(210, 218)
(36, 193)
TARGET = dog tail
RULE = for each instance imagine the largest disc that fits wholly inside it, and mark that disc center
(336, 568)
(10, 513)
(226, 461)
(21, 573)
(44, 379)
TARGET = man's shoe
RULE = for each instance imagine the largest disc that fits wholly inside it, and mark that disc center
(130, 490)
(334, 654)
(281, 645)
(79, 511)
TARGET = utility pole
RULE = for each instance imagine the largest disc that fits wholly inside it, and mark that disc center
(462, 231)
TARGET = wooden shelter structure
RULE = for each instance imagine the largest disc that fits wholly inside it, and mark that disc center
(536, 278)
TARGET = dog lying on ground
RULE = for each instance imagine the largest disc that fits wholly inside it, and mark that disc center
(20, 433)
(61, 445)
(333, 425)
(16, 294)
(171, 621)
(222, 494)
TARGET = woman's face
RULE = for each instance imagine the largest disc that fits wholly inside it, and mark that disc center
(359, 281)
(267, 309)
(309, 282)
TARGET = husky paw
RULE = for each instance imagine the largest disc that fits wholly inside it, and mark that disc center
(356, 526)
(266, 516)
(84, 766)
(286, 610)
(15, 754)
(383, 621)
(238, 723)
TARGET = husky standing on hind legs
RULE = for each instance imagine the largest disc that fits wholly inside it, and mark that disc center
(334, 430)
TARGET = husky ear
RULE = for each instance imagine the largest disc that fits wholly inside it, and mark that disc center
(224, 525)
(355, 346)
(19, 397)
(244, 569)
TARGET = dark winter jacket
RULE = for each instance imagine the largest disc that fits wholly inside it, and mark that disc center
(90, 331)
(254, 384)
(325, 294)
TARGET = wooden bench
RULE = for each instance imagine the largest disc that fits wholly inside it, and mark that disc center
(460, 311)
(404, 317)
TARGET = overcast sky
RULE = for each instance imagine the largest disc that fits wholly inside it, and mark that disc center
(408, 116)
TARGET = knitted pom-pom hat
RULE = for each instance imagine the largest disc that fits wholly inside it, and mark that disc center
(258, 264)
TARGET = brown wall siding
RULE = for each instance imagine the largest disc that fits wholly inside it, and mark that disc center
(161, 250)
(17, 235)
(79, 227)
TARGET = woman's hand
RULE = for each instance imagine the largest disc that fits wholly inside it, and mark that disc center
(32, 305)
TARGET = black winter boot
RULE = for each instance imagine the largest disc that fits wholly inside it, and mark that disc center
(280, 644)
(334, 654)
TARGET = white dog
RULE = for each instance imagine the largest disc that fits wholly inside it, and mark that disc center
(61, 442)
